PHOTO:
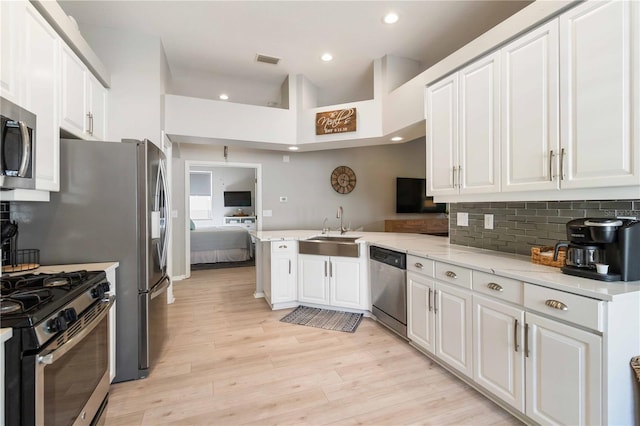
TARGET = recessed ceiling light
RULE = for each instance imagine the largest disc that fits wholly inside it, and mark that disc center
(390, 18)
(224, 97)
(293, 148)
(327, 57)
(397, 138)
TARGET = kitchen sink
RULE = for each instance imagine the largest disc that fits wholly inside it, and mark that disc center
(326, 245)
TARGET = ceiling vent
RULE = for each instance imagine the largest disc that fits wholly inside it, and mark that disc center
(267, 59)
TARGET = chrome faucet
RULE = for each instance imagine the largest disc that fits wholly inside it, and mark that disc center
(339, 216)
(325, 226)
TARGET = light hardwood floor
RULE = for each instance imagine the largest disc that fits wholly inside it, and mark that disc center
(230, 361)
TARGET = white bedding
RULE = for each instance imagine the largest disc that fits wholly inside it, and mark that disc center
(220, 244)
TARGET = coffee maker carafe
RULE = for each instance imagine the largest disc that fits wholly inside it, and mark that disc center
(603, 249)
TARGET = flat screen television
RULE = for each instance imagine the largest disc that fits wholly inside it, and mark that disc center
(411, 197)
(237, 198)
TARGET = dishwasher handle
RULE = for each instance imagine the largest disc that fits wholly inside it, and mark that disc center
(388, 257)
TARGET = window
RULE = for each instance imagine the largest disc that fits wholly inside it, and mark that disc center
(200, 206)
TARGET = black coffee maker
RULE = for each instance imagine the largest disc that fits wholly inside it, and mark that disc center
(603, 249)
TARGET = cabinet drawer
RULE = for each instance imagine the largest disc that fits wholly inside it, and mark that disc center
(283, 246)
(420, 265)
(453, 274)
(500, 287)
(569, 307)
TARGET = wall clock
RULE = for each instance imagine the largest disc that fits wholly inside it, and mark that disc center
(343, 179)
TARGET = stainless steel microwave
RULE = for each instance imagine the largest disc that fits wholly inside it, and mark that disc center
(17, 147)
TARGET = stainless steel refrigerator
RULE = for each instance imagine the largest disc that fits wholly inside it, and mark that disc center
(112, 206)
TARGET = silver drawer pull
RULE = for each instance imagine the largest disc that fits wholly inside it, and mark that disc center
(451, 274)
(556, 305)
(419, 265)
(282, 246)
(494, 286)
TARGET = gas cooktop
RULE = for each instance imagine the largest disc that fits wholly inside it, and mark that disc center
(25, 300)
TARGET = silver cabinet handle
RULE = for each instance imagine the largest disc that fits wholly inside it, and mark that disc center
(459, 176)
(430, 307)
(330, 269)
(526, 340)
(551, 155)
(515, 335)
(562, 164)
(289, 266)
(435, 301)
(283, 246)
(453, 176)
(325, 268)
(419, 265)
(451, 274)
(90, 121)
(555, 304)
(495, 287)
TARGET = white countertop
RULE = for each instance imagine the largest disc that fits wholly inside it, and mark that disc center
(507, 265)
(52, 269)
(5, 334)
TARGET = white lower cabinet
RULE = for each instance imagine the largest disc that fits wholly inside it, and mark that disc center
(283, 272)
(516, 342)
(421, 327)
(564, 373)
(439, 320)
(334, 281)
(499, 352)
(452, 308)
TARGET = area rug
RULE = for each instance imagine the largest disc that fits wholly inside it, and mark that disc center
(324, 318)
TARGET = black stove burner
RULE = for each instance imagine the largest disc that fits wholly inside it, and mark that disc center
(33, 281)
(24, 301)
(8, 306)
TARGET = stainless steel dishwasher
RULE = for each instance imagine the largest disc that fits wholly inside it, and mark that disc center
(388, 272)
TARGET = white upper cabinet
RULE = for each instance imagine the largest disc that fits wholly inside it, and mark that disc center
(565, 98)
(529, 111)
(97, 108)
(442, 136)
(599, 50)
(73, 99)
(11, 16)
(83, 100)
(463, 130)
(40, 73)
(479, 126)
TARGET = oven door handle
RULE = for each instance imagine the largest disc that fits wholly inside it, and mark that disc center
(53, 356)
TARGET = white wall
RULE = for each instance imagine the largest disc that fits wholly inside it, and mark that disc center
(200, 84)
(135, 61)
(305, 181)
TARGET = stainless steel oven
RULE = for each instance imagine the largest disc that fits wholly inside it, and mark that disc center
(57, 362)
(72, 373)
(17, 147)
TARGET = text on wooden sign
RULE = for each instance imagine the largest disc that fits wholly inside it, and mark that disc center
(338, 121)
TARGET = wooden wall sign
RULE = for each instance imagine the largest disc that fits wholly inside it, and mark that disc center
(338, 121)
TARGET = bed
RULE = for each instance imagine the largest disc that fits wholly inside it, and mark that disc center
(220, 244)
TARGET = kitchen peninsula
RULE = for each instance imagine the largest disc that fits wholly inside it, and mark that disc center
(523, 334)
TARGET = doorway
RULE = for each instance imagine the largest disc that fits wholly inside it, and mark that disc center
(213, 182)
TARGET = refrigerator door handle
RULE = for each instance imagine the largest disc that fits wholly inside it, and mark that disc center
(161, 212)
(160, 288)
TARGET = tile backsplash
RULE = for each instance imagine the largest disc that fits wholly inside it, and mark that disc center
(517, 226)
(4, 218)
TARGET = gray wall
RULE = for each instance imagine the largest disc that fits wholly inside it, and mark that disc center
(520, 225)
(305, 181)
